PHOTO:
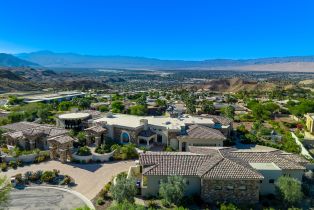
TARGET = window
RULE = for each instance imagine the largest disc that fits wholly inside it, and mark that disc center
(125, 137)
(271, 181)
(261, 181)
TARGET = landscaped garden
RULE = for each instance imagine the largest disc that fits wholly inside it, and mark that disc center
(52, 177)
(18, 158)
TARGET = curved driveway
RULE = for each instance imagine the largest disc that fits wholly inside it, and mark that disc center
(40, 198)
(89, 178)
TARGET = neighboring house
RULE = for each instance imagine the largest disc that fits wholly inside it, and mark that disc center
(198, 135)
(150, 130)
(310, 122)
(29, 136)
(220, 174)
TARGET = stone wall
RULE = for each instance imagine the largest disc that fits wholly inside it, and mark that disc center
(236, 191)
(132, 132)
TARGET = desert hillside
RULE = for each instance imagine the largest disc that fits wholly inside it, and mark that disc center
(235, 85)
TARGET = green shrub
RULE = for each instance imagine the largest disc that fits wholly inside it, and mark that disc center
(35, 176)
(66, 180)
(4, 166)
(100, 201)
(49, 176)
(12, 164)
(172, 191)
(123, 190)
(126, 206)
(228, 206)
(19, 163)
(40, 158)
(18, 178)
(127, 151)
(104, 148)
(289, 189)
(84, 151)
(103, 108)
(152, 204)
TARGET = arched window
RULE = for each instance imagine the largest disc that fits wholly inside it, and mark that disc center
(125, 137)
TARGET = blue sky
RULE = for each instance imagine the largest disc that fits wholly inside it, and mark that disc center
(166, 29)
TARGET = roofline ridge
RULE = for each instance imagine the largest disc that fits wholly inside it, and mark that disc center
(153, 166)
(222, 158)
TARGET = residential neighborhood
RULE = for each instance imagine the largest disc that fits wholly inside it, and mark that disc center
(156, 105)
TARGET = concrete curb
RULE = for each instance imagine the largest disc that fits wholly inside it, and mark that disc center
(82, 197)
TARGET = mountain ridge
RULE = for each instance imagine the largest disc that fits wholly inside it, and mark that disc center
(8, 60)
(75, 60)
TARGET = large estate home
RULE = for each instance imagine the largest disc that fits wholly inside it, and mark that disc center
(221, 173)
(179, 133)
(29, 136)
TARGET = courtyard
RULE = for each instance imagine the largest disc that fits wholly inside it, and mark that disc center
(89, 178)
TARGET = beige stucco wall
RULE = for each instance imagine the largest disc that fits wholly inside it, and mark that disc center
(297, 174)
(266, 187)
(200, 142)
(153, 182)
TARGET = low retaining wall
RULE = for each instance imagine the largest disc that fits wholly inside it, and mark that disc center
(94, 157)
(23, 158)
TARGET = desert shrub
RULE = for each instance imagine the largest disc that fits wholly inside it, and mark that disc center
(19, 178)
(27, 175)
(12, 164)
(4, 166)
(66, 180)
(39, 159)
(104, 191)
(35, 176)
(100, 201)
(49, 176)
(19, 163)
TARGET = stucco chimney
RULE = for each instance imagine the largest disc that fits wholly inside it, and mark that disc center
(144, 122)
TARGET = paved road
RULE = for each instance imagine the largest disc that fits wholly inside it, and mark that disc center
(42, 198)
(90, 178)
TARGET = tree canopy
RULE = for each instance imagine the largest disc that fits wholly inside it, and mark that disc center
(123, 190)
(289, 189)
(172, 191)
(117, 106)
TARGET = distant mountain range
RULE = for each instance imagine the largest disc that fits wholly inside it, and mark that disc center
(72, 60)
(8, 60)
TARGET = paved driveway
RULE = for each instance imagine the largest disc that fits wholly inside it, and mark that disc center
(90, 178)
(42, 198)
